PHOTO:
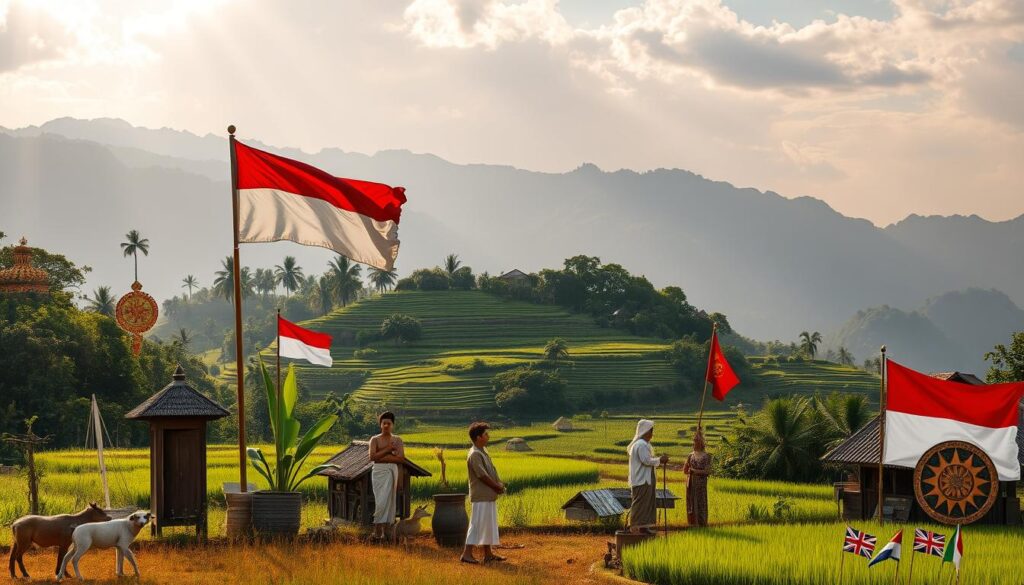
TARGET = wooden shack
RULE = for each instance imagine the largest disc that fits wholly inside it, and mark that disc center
(177, 417)
(591, 505)
(350, 491)
(859, 455)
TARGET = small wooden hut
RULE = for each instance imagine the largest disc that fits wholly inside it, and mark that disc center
(177, 418)
(350, 491)
(859, 454)
(591, 505)
(562, 424)
(515, 277)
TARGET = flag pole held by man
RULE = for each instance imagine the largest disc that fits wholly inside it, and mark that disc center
(642, 481)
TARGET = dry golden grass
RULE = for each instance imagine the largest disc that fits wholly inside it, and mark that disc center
(544, 559)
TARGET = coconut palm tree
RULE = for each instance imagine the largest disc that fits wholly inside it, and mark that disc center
(845, 357)
(223, 285)
(102, 301)
(289, 274)
(135, 243)
(841, 415)
(321, 295)
(809, 343)
(783, 438)
(190, 283)
(183, 337)
(345, 276)
(382, 280)
(556, 349)
(451, 264)
(264, 281)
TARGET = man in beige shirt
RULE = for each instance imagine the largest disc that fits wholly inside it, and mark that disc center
(484, 488)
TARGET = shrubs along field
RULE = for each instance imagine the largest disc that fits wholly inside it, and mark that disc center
(806, 554)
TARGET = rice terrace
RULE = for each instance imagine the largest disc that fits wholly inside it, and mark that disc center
(518, 292)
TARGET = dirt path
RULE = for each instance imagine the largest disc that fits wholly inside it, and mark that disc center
(556, 559)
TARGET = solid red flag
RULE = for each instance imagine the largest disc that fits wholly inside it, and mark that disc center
(719, 373)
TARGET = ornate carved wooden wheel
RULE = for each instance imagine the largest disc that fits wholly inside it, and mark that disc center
(955, 483)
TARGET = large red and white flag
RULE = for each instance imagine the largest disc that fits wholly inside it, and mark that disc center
(303, 344)
(922, 411)
(284, 199)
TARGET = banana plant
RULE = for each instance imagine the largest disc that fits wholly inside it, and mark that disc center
(290, 451)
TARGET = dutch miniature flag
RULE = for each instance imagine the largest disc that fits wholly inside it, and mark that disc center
(889, 551)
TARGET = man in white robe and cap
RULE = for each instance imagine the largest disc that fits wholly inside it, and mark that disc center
(642, 482)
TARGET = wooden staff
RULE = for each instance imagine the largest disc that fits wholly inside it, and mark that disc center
(664, 493)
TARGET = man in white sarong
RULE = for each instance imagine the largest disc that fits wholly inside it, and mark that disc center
(387, 452)
(484, 488)
(642, 482)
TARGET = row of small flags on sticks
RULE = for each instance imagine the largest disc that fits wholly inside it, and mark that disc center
(925, 541)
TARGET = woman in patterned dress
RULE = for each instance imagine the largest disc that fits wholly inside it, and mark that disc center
(698, 468)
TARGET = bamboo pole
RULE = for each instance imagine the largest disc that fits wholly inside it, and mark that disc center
(239, 357)
(881, 435)
(99, 450)
(707, 373)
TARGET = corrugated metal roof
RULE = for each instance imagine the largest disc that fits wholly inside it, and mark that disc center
(178, 399)
(354, 461)
(612, 501)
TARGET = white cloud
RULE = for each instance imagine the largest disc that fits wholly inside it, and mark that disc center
(879, 118)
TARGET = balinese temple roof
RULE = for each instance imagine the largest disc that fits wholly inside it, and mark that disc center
(178, 399)
(23, 277)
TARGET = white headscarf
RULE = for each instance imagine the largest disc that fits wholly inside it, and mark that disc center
(642, 427)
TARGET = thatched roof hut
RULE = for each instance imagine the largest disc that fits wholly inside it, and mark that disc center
(517, 444)
(562, 424)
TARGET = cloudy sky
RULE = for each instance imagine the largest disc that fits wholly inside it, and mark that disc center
(880, 108)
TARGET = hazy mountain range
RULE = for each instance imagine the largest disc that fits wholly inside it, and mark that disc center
(774, 265)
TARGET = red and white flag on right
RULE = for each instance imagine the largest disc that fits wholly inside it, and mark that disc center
(303, 344)
(922, 411)
(284, 199)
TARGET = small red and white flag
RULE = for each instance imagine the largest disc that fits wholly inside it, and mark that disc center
(284, 199)
(922, 411)
(303, 344)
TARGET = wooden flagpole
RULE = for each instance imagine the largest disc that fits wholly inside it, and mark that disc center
(704, 395)
(237, 277)
(896, 572)
(842, 558)
(910, 578)
(881, 435)
(280, 410)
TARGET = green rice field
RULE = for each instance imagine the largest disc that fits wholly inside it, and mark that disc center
(468, 336)
(805, 554)
(538, 484)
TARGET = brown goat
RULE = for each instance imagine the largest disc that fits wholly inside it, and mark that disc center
(46, 531)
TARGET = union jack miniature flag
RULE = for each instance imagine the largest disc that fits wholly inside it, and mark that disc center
(929, 543)
(859, 543)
